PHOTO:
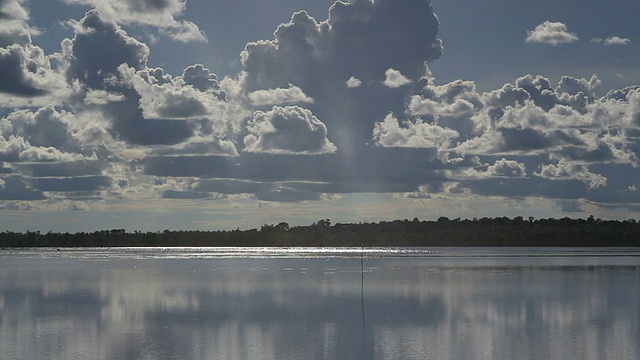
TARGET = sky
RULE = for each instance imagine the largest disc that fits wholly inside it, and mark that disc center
(191, 114)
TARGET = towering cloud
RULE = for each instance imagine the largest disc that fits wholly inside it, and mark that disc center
(378, 47)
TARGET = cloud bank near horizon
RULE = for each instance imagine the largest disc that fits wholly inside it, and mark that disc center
(316, 112)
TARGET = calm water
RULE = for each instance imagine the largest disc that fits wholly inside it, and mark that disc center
(232, 303)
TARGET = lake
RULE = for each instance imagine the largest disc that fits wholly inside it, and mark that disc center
(320, 303)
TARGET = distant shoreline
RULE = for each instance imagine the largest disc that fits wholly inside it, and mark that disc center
(499, 231)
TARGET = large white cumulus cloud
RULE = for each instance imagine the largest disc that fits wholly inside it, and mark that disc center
(413, 134)
(289, 129)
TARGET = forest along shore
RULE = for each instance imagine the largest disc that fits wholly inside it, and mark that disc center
(500, 231)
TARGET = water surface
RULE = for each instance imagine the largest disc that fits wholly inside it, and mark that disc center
(278, 303)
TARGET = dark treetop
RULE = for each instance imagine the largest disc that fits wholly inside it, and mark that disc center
(499, 231)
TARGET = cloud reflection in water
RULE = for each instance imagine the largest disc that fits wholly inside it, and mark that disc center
(293, 308)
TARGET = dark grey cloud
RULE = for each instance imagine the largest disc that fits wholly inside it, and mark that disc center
(76, 183)
(16, 78)
(90, 61)
(16, 188)
(190, 166)
(65, 169)
(526, 140)
(382, 170)
(203, 79)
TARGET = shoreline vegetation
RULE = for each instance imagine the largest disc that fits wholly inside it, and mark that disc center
(499, 231)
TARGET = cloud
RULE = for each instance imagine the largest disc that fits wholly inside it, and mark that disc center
(17, 149)
(102, 97)
(353, 82)
(125, 130)
(197, 145)
(85, 58)
(84, 167)
(45, 127)
(614, 40)
(551, 33)
(200, 78)
(573, 86)
(347, 44)
(13, 10)
(279, 96)
(389, 133)
(73, 184)
(394, 79)
(507, 168)
(161, 14)
(289, 130)
(14, 28)
(18, 71)
(16, 188)
(139, 105)
(26, 74)
(318, 57)
(502, 168)
(175, 99)
(564, 170)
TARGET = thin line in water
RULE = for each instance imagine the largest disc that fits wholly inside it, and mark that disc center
(364, 324)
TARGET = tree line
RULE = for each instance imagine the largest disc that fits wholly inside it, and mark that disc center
(499, 231)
